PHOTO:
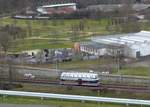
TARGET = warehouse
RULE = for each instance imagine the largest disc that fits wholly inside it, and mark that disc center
(133, 44)
(100, 49)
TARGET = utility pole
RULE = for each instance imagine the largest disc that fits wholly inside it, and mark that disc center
(57, 59)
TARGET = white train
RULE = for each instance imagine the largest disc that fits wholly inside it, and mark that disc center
(79, 78)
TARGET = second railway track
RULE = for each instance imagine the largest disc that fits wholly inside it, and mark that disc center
(114, 87)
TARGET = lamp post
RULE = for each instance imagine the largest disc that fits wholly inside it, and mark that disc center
(57, 53)
(118, 61)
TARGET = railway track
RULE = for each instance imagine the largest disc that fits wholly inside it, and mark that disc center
(128, 88)
(112, 87)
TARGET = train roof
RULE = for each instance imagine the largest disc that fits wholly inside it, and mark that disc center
(79, 75)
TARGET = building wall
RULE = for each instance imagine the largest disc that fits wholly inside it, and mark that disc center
(92, 51)
(131, 51)
(127, 50)
(101, 51)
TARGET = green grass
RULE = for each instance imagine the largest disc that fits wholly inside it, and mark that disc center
(77, 64)
(54, 29)
(145, 25)
(135, 71)
(30, 44)
(59, 103)
(69, 103)
(61, 29)
(82, 91)
(87, 64)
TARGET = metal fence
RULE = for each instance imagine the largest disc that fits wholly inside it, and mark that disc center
(76, 97)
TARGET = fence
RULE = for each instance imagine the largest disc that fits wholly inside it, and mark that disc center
(76, 97)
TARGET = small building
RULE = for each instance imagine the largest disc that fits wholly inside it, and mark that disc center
(99, 49)
(93, 48)
(57, 9)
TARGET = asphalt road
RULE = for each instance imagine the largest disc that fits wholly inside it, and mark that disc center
(18, 105)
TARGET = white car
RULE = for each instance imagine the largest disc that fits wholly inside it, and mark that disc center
(29, 76)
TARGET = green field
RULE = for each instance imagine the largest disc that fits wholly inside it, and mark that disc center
(80, 64)
(70, 103)
(58, 33)
(82, 91)
(54, 33)
(59, 103)
(135, 71)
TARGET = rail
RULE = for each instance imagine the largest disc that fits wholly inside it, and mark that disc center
(103, 86)
(76, 97)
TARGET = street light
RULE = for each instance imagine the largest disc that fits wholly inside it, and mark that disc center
(57, 53)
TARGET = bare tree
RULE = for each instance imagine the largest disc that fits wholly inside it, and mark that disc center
(29, 27)
(5, 45)
(5, 41)
(7, 35)
(14, 31)
(74, 32)
(54, 33)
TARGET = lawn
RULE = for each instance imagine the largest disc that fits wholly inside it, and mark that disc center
(59, 30)
(78, 65)
(31, 44)
(135, 71)
(59, 103)
(54, 30)
(82, 91)
(70, 103)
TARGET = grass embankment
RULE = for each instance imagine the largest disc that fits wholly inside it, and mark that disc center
(57, 33)
(96, 65)
(82, 91)
(134, 71)
(69, 103)
(59, 103)
(54, 33)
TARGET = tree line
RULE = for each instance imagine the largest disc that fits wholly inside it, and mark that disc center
(9, 6)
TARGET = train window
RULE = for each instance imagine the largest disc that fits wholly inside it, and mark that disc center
(66, 75)
(80, 75)
(96, 76)
(75, 76)
(88, 76)
(93, 77)
(71, 75)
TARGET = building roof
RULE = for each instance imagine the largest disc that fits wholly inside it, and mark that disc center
(93, 45)
(124, 39)
(139, 7)
(112, 7)
(60, 5)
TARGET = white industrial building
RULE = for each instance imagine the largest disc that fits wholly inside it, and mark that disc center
(57, 8)
(93, 48)
(131, 45)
